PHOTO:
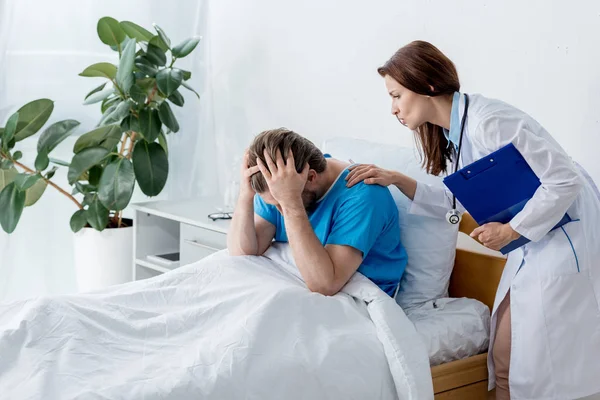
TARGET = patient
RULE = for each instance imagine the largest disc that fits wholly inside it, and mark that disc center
(291, 192)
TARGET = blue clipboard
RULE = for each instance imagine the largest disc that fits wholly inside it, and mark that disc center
(496, 188)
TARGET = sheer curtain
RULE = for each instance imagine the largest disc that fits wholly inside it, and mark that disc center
(43, 48)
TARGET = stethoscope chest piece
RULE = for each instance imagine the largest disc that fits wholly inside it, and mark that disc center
(453, 217)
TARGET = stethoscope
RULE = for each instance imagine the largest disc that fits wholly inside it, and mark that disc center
(454, 216)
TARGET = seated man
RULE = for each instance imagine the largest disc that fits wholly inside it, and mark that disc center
(290, 191)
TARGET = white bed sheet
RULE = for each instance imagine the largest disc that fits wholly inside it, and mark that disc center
(223, 328)
(452, 329)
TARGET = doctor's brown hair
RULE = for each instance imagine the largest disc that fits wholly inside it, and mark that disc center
(285, 140)
(417, 66)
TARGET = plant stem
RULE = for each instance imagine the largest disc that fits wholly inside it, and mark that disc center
(131, 144)
(172, 61)
(151, 97)
(120, 217)
(49, 182)
(123, 144)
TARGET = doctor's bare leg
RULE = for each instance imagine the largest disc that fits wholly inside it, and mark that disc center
(501, 351)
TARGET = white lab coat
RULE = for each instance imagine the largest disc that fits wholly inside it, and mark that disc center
(555, 279)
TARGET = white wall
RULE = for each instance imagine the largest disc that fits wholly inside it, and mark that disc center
(311, 65)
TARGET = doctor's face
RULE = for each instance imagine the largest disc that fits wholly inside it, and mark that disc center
(410, 108)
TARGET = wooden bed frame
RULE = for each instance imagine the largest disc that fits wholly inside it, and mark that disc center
(474, 276)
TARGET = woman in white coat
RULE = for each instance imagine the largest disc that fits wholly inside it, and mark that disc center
(545, 333)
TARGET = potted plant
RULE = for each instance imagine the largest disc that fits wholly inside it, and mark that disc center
(127, 146)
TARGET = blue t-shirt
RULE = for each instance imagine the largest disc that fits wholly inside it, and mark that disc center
(364, 217)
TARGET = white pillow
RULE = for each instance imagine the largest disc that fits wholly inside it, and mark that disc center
(430, 242)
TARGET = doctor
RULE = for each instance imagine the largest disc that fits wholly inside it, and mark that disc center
(545, 333)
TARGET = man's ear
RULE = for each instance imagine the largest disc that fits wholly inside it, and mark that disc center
(312, 175)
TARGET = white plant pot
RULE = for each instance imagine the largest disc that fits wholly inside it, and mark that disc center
(103, 258)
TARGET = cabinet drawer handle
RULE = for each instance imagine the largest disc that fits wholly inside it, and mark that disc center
(198, 244)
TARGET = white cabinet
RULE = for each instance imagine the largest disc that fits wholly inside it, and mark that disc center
(175, 227)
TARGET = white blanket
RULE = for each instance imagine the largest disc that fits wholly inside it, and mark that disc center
(222, 328)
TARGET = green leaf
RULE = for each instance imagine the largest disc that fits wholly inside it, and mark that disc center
(5, 164)
(151, 167)
(162, 140)
(12, 202)
(78, 220)
(85, 160)
(100, 96)
(34, 193)
(145, 66)
(106, 104)
(24, 181)
(42, 160)
(156, 55)
(32, 116)
(158, 42)
(188, 87)
(97, 215)
(186, 75)
(167, 117)
(137, 94)
(51, 173)
(81, 188)
(17, 155)
(120, 112)
(125, 71)
(7, 176)
(107, 137)
(177, 99)
(136, 32)
(168, 80)
(110, 31)
(101, 70)
(108, 112)
(146, 84)
(59, 162)
(130, 123)
(10, 129)
(94, 175)
(120, 46)
(116, 185)
(186, 47)
(55, 134)
(96, 90)
(149, 124)
(162, 35)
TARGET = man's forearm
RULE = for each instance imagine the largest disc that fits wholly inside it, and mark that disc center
(241, 237)
(312, 259)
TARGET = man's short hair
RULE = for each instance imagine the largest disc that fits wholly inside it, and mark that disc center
(304, 151)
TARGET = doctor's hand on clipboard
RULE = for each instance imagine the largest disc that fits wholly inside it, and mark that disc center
(495, 235)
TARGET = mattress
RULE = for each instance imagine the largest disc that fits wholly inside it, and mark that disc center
(452, 329)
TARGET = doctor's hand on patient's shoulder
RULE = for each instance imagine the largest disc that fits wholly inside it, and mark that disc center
(371, 175)
(495, 235)
(285, 183)
(246, 172)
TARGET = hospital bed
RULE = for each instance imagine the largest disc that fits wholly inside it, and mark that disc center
(226, 326)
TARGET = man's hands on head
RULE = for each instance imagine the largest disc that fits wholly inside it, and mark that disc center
(285, 183)
(248, 234)
(246, 172)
